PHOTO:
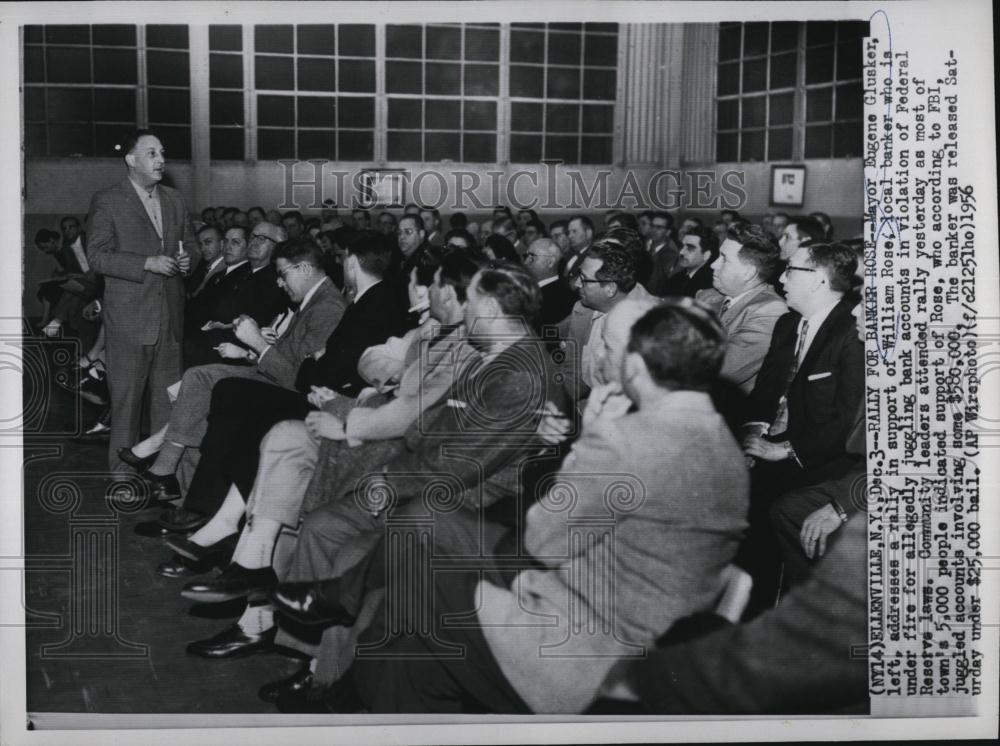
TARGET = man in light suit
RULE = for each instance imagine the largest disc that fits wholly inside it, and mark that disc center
(135, 229)
(744, 300)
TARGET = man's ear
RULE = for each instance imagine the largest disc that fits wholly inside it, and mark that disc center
(130, 160)
(633, 367)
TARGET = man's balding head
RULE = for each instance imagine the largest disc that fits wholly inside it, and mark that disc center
(542, 258)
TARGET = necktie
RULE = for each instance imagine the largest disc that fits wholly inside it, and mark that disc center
(780, 423)
(725, 307)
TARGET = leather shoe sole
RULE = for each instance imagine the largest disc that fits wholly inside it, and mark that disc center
(229, 588)
(303, 603)
(233, 642)
(197, 553)
(181, 567)
(139, 463)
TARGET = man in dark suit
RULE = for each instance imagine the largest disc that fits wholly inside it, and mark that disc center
(210, 245)
(264, 299)
(663, 249)
(698, 249)
(542, 260)
(136, 230)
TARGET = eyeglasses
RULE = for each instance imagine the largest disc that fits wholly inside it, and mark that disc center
(262, 236)
(530, 255)
(584, 280)
(282, 273)
(792, 268)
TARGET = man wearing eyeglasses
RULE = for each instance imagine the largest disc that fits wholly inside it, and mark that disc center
(542, 260)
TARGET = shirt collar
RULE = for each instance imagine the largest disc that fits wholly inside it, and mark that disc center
(145, 193)
(817, 318)
(235, 266)
(547, 281)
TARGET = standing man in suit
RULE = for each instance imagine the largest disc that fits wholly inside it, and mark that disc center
(662, 248)
(698, 250)
(135, 229)
(744, 300)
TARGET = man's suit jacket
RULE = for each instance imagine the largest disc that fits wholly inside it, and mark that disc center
(640, 542)
(681, 284)
(121, 238)
(664, 265)
(749, 324)
(369, 321)
(557, 302)
(221, 300)
(823, 397)
(264, 299)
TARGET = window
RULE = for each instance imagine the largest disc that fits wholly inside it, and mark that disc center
(442, 88)
(225, 96)
(79, 89)
(168, 80)
(770, 73)
(315, 88)
(563, 85)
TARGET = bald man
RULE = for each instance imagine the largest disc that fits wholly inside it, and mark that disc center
(542, 260)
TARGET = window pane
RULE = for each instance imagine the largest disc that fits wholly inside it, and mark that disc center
(566, 26)
(114, 35)
(565, 83)
(482, 80)
(34, 65)
(526, 117)
(316, 74)
(403, 77)
(442, 78)
(752, 147)
(849, 60)
(32, 34)
(596, 150)
(782, 108)
(598, 119)
(443, 115)
(727, 146)
(755, 39)
(754, 75)
(563, 147)
(729, 41)
(316, 111)
(784, 36)
(784, 69)
(443, 43)
(169, 105)
(405, 113)
(479, 148)
(819, 105)
(225, 39)
(526, 46)
(276, 111)
(852, 30)
(729, 79)
(605, 27)
(403, 41)
(226, 144)
(69, 105)
(274, 144)
(67, 34)
(225, 71)
(754, 112)
(480, 115)
(226, 107)
(356, 40)
(108, 139)
(847, 139)
(176, 142)
(317, 144)
(818, 141)
(357, 76)
(849, 101)
(167, 68)
(355, 146)
(562, 118)
(70, 139)
(564, 49)
(526, 81)
(728, 115)
(779, 144)
(600, 50)
(114, 66)
(820, 32)
(404, 146)
(356, 113)
(170, 37)
(68, 65)
(316, 39)
(114, 104)
(525, 148)
(819, 65)
(600, 84)
(273, 39)
(440, 146)
(274, 73)
(34, 104)
(482, 44)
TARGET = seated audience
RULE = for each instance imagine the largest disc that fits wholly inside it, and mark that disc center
(542, 261)
(694, 264)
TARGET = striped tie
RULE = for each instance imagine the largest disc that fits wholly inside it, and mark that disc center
(780, 423)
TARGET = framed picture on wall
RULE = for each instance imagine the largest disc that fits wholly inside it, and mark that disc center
(383, 187)
(788, 185)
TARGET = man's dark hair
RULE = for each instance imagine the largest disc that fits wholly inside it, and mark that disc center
(69, 218)
(681, 343)
(839, 261)
(458, 220)
(824, 220)
(757, 247)
(463, 235)
(648, 214)
(432, 210)
(427, 264)
(210, 227)
(44, 235)
(564, 224)
(258, 208)
(808, 228)
(342, 236)
(735, 215)
(417, 222)
(502, 208)
(584, 221)
(231, 211)
(666, 216)
(514, 288)
(386, 212)
(694, 219)
(532, 215)
(706, 240)
(132, 139)
(619, 264)
(502, 248)
(294, 215)
(457, 270)
(373, 250)
(242, 228)
(626, 237)
(504, 225)
(299, 251)
(538, 225)
(625, 220)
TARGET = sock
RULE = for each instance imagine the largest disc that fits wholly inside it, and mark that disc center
(312, 664)
(256, 619)
(224, 523)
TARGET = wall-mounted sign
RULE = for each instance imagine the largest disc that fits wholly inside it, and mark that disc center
(788, 185)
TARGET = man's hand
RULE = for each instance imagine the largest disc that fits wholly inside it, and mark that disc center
(230, 351)
(247, 332)
(270, 336)
(161, 264)
(606, 402)
(816, 527)
(320, 395)
(184, 263)
(554, 426)
(765, 450)
(325, 425)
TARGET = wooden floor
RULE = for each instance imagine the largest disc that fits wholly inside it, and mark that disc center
(106, 633)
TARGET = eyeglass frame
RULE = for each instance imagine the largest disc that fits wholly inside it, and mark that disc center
(283, 272)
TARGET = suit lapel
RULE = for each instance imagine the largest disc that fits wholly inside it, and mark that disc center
(822, 336)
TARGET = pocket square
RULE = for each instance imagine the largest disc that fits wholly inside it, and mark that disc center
(818, 376)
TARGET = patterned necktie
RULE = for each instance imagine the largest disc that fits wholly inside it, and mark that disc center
(780, 423)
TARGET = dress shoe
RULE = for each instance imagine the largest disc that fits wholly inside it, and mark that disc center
(312, 603)
(139, 463)
(297, 682)
(233, 642)
(153, 530)
(197, 553)
(181, 519)
(182, 567)
(94, 390)
(101, 430)
(166, 487)
(340, 697)
(235, 581)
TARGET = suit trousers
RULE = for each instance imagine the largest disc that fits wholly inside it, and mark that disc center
(131, 367)
(288, 456)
